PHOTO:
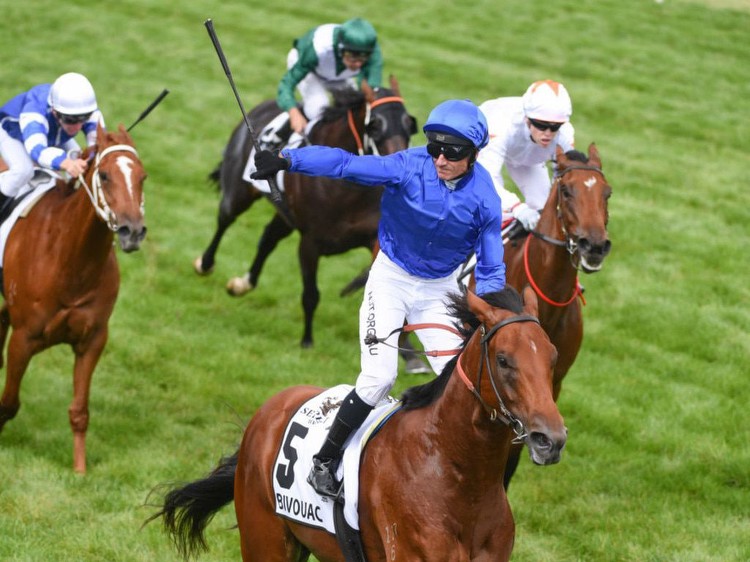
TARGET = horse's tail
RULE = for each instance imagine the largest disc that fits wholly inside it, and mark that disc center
(215, 174)
(188, 509)
(357, 283)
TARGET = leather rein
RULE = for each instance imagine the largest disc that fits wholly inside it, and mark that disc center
(501, 414)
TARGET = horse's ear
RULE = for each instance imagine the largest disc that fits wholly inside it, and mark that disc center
(478, 306)
(394, 85)
(530, 302)
(594, 158)
(367, 91)
(560, 159)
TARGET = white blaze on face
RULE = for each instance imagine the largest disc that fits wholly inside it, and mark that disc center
(591, 182)
(533, 346)
(126, 167)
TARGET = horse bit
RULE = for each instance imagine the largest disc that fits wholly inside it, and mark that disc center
(95, 193)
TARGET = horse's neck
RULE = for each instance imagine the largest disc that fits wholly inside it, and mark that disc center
(473, 443)
(550, 264)
(339, 133)
(90, 238)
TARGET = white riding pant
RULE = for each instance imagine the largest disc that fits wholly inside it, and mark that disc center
(315, 91)
(20, 164)
(533, 182)
(392, 296)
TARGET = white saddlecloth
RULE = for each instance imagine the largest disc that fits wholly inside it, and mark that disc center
(304, 435)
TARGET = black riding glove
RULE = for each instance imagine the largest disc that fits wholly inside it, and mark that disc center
(268, 164)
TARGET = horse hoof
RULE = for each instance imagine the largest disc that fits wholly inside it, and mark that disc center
(238, 286)
(198, 267)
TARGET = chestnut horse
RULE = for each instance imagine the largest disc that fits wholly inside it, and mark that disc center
(571, 236)
(61, 276)
(432, 476)
(332, 216)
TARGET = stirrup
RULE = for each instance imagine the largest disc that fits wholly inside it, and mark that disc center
(323, 480)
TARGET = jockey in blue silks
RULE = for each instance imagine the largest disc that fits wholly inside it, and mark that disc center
(38, 127)
(438, 207)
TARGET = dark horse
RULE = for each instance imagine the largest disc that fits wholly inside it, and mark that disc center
(431, 478)
(332, 216)
(61, 276)
(571, 236)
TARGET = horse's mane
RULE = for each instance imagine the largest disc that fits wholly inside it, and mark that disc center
(343, 101)
(577, 155)
(425, 394)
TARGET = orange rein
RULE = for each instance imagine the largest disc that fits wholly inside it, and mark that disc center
(353, 127)
(576, 292)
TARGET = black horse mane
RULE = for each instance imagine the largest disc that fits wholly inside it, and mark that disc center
(577, 155)
(343, 101)
(425, 394)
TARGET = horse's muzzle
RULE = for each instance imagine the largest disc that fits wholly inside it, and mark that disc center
(545, 447)
(130, 238)
(593, 254)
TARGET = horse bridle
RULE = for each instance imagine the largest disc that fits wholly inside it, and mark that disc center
(95, 192)
(504, 415)
(367, 141)
(568, 243)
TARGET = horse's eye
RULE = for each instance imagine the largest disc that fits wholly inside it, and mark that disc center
(565, 191)
(103, 176)
(377, 126)
(410, 124)
(502, 361)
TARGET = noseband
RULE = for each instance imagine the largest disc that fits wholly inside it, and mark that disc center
(95, 193)
(368, 142)
(504, 415)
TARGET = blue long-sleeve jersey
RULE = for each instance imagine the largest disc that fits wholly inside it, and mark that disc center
(426, 227)
(28, 117)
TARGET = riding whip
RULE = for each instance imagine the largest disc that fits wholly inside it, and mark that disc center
(148, 110)
(276, 197)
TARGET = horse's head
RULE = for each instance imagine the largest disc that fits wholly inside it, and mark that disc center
(387, 124)
(582, 196)
(115, 180)
(519, 357)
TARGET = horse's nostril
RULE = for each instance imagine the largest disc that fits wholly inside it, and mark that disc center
(540, 441)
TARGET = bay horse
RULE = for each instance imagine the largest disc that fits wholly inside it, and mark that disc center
(431, 479)
(61, 276)
(571, 236)
(332, 216)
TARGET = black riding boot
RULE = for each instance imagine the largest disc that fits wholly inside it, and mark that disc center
(350, 416)
(5, 206)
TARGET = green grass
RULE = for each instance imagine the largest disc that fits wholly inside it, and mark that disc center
(656, 467)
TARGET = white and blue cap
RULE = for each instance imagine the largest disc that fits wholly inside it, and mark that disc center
(458, 118)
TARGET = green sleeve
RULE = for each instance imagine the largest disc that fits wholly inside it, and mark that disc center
(372, 70)
(305, 64)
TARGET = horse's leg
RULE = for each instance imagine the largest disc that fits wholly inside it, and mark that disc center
(4, 325)
(308, 260)
(273, 233)
(78, 412)
(235, 200)
(20, 352)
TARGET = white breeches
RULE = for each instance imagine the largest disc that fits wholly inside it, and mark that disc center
(21, 167)
(392, 296)
(533, 182)
(315, 91)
